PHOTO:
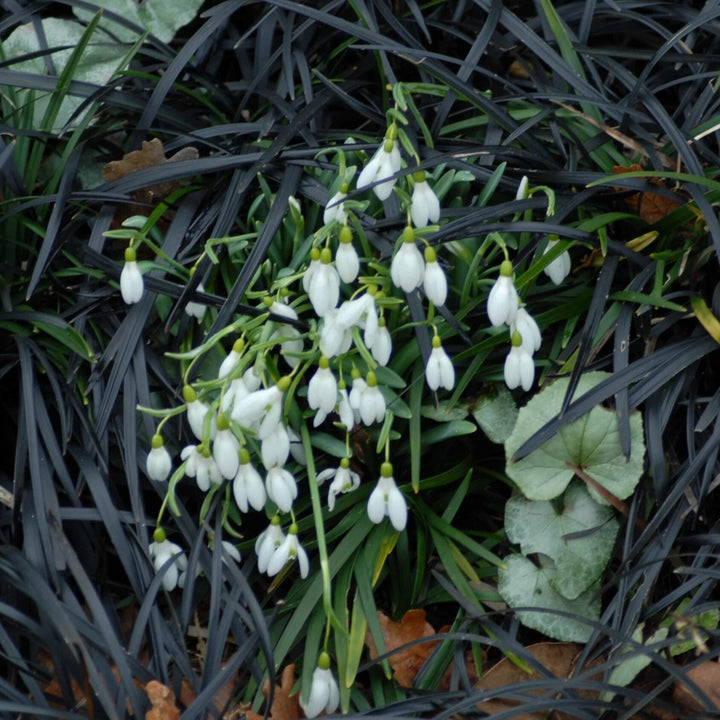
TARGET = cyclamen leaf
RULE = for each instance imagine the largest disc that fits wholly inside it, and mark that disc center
(591, 443)
(579, 538)
(523, 584)
(496, 415)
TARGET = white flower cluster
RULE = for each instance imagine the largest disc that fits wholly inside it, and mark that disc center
(503, 308)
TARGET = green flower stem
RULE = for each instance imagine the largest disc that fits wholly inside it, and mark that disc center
(320, 532)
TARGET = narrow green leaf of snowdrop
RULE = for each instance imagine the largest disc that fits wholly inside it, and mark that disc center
(491, 185)
(356, 644)
(414, 428)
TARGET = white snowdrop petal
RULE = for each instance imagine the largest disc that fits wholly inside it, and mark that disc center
(382, 347)
(347, 262)
(158, 464)
(131, 283)
(376, 505)
(397, 509)
(435, 283)
(502, 302)
(225, 451)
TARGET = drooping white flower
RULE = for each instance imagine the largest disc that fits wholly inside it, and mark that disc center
(201, 465)
(230, 550)
(267, 542)
(425, 206)
(231, 359)
(347, 261)
(260, 405)
(407, 267)
(335, 207)
(335, 339)
(525, 324)
(322, 391)
(358, 387)
(371, 403)
(226, 448)
(381, 348)
(386, 500)
(159, 463)
(522, 190)
(196, 412)
(324, 692)
(324, 290)
(434, 280)
(503, 299)
(382, 166)
(344, 408)
(275, 447)
(519, 367)
(131, 279)
(311, 268)
(281, 487)
(343, 480)
(196, 309)
(360, 312)
(239, 388)
(248, 487)
(560, 267)
(291, 343)
(439, 371)
(289, 550)
(161, 550)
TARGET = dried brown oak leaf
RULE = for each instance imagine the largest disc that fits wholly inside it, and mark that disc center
(558, 658)
(650, 206)
(405, 663)
(152, 154)
(707, 677)
(283, 706)
(162, 699)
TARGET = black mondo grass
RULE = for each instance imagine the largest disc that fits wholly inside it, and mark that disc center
(266, 93)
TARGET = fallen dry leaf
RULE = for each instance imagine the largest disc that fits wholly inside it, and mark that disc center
(162, 699)
(650, 206)
(707, 677)
(558, 658)
(283, 706)
(405, 663)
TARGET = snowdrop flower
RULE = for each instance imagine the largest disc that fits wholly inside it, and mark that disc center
(196, 309)
(231, 551)
(560, 267)
(335, 339)
(311, 268)
(525, 324)
(360, 312)
(519, 366)
(387, 500)
(324, 692)
(159, 463)
(358, 387)
(281, 487)
(131, 279)
(261, 405)
(381, 348)
(384, 164)
(407, 268)
(297, 451)
(503, 299)
(196, 412)
(346, 257)
(290, 549)
(522, 191)
(344, 480)
(226, 448)
(231, 359)
(425, 207)
(324, 290)
(322, 391)
(434, 281)
(335, 208)
(275, 447)
(370, 403)
(239, 388)
(248, 488)
(201, 465)
(344, 409)
(439, 371)
(267, 542)
(161, 550)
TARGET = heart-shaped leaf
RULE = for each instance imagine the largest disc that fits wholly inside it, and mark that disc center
(591, 443)
(523, 584)
(579, 536)
(496, 415)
